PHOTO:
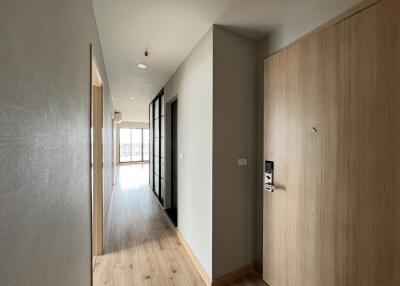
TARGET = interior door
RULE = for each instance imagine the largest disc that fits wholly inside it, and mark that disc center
(275, 211)
(97, 165)
(301, 137)
(330, 129)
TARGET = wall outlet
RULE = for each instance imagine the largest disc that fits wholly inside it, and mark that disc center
(242, 162)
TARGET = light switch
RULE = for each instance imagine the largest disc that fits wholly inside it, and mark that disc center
(181, 156)
(242, 162)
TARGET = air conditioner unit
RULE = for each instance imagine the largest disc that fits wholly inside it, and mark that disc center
(117, 117)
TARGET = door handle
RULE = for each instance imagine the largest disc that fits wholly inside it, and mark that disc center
(270, 188)
(269, 177)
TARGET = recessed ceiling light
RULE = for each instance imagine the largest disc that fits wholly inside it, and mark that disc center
(142, 66)
(132, 98)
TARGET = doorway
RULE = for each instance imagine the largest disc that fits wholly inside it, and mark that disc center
(96, 166)
(173, 211)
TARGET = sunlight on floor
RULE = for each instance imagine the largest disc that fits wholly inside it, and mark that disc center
(141, 245)
(133, 176)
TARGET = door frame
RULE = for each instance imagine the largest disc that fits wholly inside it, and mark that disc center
(174, 130)
(96, 186)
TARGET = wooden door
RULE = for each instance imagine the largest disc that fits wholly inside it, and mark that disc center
(372, 147)
(275, 211)
(331, 120)
(97, 165)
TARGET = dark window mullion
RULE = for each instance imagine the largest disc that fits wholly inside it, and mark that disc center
(159, 149)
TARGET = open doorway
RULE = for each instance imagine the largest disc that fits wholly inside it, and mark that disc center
(96, 166)
(173, 210)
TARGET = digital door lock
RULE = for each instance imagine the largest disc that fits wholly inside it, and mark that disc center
(269, 177)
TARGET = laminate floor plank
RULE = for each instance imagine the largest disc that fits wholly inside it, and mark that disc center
(141, 247)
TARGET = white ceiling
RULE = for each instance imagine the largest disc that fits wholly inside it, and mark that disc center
(170, 29)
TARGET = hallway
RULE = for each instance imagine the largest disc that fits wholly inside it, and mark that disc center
(141, 247)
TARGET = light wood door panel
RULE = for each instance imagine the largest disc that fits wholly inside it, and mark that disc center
(373, 161)
(332, 119)
(275, 206)
(301, 124)
(97, 195)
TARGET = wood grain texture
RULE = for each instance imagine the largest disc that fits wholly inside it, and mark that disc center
(249, 280)
(363, 4)
(207, 280)
(242, 274)
(97, 193)
(142, 248)
(332, 122)
(373, 139)
(236, 275)
(274, 258)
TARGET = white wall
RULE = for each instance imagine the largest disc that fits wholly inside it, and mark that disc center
(133, 125)
(132, 110)
(310, 17)
(192, 85)
(216, 89)
(234, 137)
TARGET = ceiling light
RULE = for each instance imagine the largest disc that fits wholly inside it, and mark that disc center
(132, 98)
(142, 66)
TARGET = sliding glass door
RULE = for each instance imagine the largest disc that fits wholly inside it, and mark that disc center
(157, 119)
(133, 145)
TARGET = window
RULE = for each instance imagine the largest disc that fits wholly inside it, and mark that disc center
(133, 145)
(146, 145)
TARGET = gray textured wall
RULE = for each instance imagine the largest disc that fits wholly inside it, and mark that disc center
(44, 141)
(234, 137)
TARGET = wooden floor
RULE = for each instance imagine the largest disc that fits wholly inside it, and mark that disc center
(141, 247)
